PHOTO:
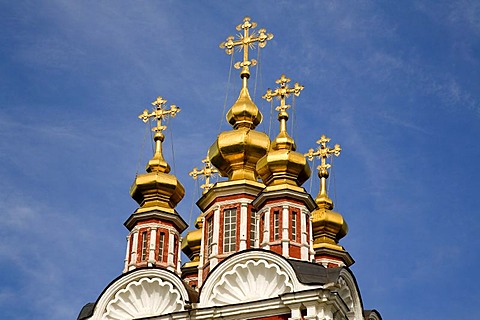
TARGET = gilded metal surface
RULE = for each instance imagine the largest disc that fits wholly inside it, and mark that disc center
(246, 41)
(235, 153)
(328, 226)
(207, 171)
(191, 244)
(157, 189)
(322, 153)
(282, 164)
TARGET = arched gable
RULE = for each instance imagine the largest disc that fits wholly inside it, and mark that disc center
(141, 293)
(249, 276)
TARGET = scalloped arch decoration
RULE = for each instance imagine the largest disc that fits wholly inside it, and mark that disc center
(349, 293)
(142, 298)
(249, 281)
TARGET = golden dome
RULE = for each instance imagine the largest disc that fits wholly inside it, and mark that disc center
(282, 164)
(191, 244)
(236, 152)
(157, 189)
(328, 226)
(244, 113)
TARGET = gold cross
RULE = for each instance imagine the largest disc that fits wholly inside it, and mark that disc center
(245, 42)
(283, 92)
(207, 171)
(323, 152)
(160, 113)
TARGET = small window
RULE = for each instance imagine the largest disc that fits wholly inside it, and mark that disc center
(294, 226)
(276, 225)
(229, 229)
(209, 236)
(253, 228)
(161, 244)
(144, 246)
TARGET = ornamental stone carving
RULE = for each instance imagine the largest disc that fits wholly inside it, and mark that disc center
(142, 298)
(250, 281)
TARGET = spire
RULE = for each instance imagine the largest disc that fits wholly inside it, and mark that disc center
(283, 140)
(282, 164)
(207, 171)
(157, 188)
(158, 163)
(245, 42)
(322, 153)
(235, 153)
(328, 226)
(244, 113)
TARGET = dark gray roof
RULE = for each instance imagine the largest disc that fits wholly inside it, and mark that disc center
(87, 311)
(312, 273)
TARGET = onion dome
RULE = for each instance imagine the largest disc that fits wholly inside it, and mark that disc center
(157, 189)
(328, 226)
(236, 152)
(191, 243)
(282, 164)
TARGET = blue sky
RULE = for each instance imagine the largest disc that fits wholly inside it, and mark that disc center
(396, 84)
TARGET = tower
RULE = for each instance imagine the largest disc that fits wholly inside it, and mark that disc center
(262, 247)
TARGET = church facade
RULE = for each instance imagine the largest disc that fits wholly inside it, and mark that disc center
(262, 248)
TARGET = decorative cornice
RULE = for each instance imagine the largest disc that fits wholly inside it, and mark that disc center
(226, 189)
(176, 219)
(289, 192)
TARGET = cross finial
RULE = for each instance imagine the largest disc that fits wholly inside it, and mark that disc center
(245, 42)
(160, 113)
(283, 92)
(207, 171)
(323, 152)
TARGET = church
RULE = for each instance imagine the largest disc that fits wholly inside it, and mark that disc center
(262, 248)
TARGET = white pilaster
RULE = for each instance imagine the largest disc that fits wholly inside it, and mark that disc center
(216, 238)
(202, 251)
(179, 252)
(127, 254)
(151, 250)
(310, 237)
(266, 229)
(285, 231)
(304, 250)
(133, 254)
(171, 244)
(244, 221)
(296, 313)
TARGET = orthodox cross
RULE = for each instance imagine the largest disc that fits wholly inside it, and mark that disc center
(245, 42)
(160, 113)
(323, 152)
(283, 92)
(207, 171)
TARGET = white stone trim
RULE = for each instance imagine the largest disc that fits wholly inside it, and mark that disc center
(202, 251)
(233, 201)
(348, 292)
(152, 225)
(151, 250)
(133, 253)
(285, 232)
(127, 254)
(244, 221)
(171, 254)
(216, 238)
(140, 277)
(249, 260)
